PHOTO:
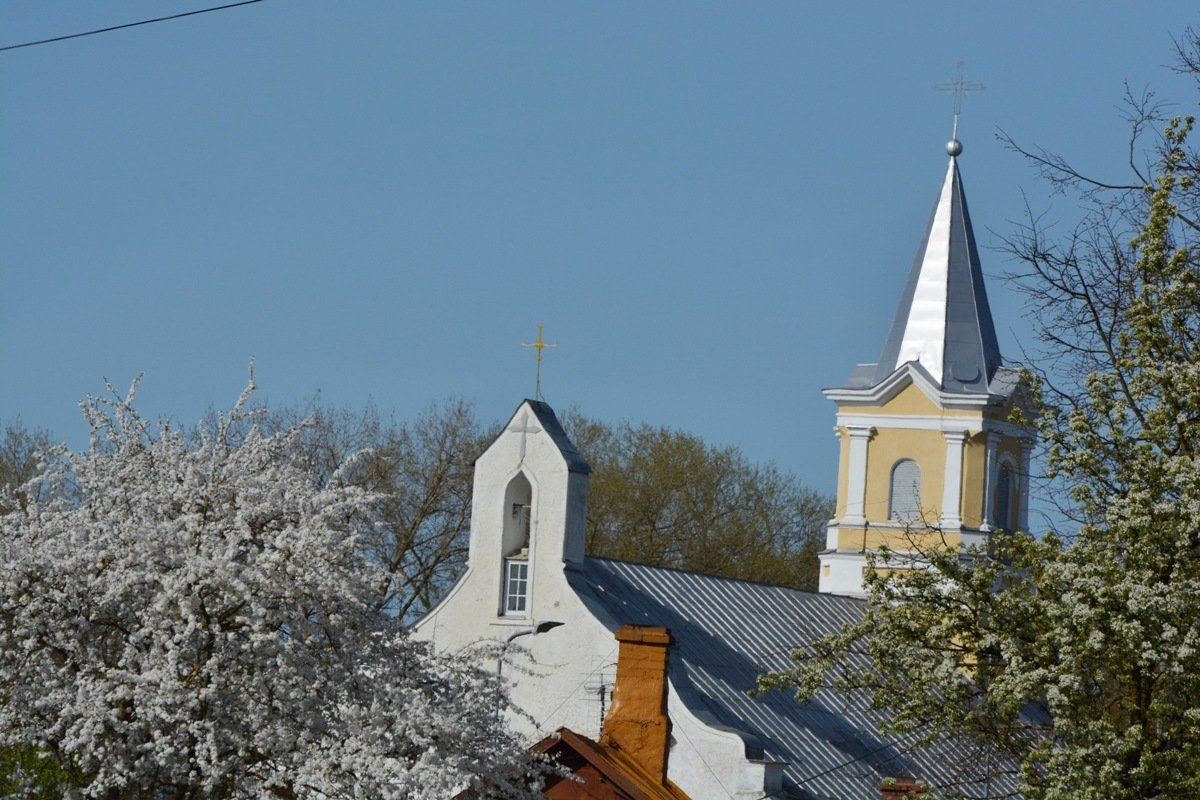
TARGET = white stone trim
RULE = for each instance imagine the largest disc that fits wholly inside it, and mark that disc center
(973, 538)
(952, 481)
(856, 474)
(911, 372)
(931, 422)
(831, 535)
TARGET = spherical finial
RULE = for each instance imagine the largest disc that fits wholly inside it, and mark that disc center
(954, 147)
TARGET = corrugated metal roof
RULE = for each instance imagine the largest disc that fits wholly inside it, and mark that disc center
(726, 633)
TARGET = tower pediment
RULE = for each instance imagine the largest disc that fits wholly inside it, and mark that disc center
(533, 433)
(914, 374)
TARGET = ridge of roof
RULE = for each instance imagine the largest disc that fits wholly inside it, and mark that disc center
(726, 578)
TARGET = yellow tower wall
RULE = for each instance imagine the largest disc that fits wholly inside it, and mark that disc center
(974, 480)
(927, 448)
(912, 425)
(910, 402)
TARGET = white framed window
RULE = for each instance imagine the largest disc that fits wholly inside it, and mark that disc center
(904, 500)
(516, 547)
(516, 586)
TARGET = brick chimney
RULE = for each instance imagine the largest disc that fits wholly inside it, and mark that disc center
(637, 722)
(902, 789)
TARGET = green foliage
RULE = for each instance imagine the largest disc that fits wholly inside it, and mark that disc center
(31, 773)
(1078, 658)
(665, 497)
(1124, 598)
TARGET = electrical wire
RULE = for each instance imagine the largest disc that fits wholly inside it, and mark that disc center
(128, 25)
(703, 760)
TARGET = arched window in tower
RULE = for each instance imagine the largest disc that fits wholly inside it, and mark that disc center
(1004, 498)
(904, 501)
(515, 543)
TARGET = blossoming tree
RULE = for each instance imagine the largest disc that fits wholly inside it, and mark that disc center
(1074, 657)
(187, 617)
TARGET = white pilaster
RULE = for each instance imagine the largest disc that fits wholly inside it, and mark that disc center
(856, 483)
(1023, 493)
(989, 480)
(952, 482)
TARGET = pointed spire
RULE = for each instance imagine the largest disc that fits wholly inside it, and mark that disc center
(943, 321)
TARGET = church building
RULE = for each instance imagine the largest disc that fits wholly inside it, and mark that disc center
(927, 456)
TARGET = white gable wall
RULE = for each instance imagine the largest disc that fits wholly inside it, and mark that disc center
(708, 762)
(555, 676)
(565, 676)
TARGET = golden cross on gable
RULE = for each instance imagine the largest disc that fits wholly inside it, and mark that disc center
(539, 346)
(960, 86)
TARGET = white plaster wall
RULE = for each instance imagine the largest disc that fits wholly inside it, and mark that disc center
(558, 507)
(553, 677)
(845, 573)
(556, 677)
(711, 764)
(831, 535)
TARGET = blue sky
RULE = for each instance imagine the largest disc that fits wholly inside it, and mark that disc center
(711, 206)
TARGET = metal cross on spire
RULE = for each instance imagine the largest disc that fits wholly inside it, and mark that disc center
(539, 346)
(960, 86)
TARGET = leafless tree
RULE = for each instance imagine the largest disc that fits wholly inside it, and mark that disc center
(20, 451)
(420, 473)
(666, 497)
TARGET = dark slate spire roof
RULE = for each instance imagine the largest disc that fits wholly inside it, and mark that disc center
(943, 321)
(545, 415)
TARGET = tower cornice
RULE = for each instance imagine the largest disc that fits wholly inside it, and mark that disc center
(913, 373)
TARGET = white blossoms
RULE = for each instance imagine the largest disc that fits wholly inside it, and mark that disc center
(190, 617)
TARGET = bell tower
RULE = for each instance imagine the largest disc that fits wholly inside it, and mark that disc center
(928, 456)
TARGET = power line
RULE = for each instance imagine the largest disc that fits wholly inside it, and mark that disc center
(128, 25)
